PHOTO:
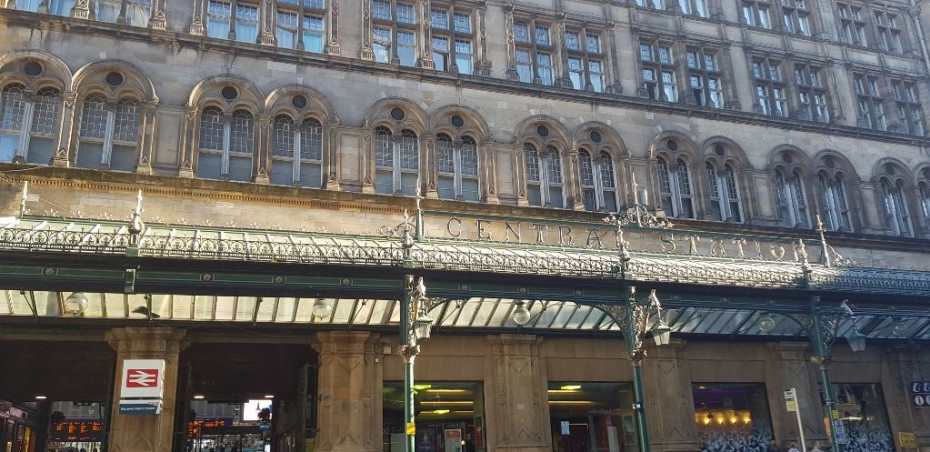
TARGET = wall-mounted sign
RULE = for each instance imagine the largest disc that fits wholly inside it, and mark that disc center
(907, 440)
(920, 393)
(143, 378)
(140, 407)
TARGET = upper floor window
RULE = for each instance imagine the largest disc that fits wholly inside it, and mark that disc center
(297, 152)
(675, 188)
(598, 183)
(658, 70)
(887, 32)
(852, 25)
(457, 168)
(812, 94)
(833, 197)
(300, 24)
(108, 134)
(756, 14)
(394, 32)
(584, 60)
(910, 115)
(397, 162)
(136, 12)
(55, 7)
(543, 177)
(770, 87)
(533, 53)
(224, 24)
(693, 7)
(724, 193)
(226, 145)
(453, 40)
(796, 17)
(704, 77)
(792, 200)
(28, 124)
(897, 215)
(654, 4)
(869, 102)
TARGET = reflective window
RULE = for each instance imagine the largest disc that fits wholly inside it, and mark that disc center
(732, 416)
(449, 415)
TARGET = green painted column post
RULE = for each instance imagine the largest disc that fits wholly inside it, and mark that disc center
(822, 359)
(637, 354)
(409, 355)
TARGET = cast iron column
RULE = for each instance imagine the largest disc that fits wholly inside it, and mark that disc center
(637, 354)
(822, 358)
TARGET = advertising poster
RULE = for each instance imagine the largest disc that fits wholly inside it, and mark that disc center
(426, 440)
(453, 440)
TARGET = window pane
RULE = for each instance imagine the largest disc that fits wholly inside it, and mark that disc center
(93, 118)
(127, 121)
(241, 132)
(211, 129)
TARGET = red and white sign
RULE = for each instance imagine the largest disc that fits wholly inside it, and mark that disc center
(143, 378)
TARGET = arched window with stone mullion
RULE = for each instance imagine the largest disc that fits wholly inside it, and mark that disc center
(226, 145)
(724, 193)
(835, 206)
(28, 124)
(897, 214)
(109, 134)
(792, 199)
(397, 162)
(675, 188)
(598, 183)
(297, 152)
(457, 168)
(544, 177)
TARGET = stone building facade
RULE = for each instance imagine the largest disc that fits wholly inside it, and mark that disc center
(740, 118)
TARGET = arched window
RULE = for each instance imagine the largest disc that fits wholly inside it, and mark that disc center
(675, 188)
(306, 142)
(543, 177)
(397, 162)
(28, 124)
(226, 145)
(457, 168)
(109, 134)
(896, 212)
(598, 184)
(835, 208)
(724, 193)
(792, 201)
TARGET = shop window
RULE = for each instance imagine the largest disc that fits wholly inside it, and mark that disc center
(592, 417)
(731, 416)
(862, 411)
(450, 417)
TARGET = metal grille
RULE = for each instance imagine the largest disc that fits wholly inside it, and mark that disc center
(555, 166)
(283, 141)
(127, 121)
(445, 156)
(240, 135)
(45, 115)
(469, 157)
(607, 171)
(532, 163)
(211, 129)
(11, 107)
(384, 153)
(94, 117)
(586, 168)
(409, 156)
(311, 140)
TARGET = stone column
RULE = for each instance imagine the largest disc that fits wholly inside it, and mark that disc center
(350, 383)
(518, 416)
(789, 367)
(668, 400)
(145, 433)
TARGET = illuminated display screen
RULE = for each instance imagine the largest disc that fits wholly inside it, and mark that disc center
(77, 431)
(197, 425)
